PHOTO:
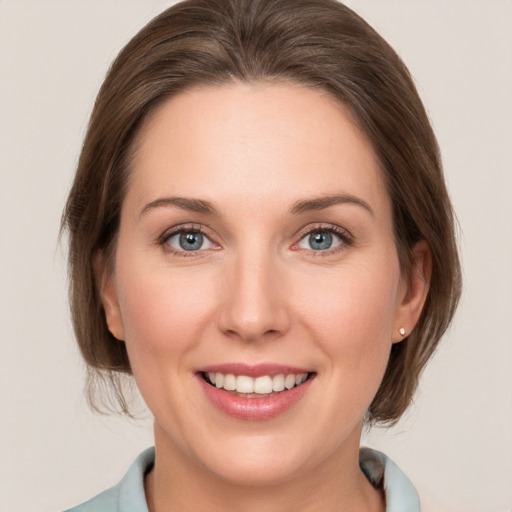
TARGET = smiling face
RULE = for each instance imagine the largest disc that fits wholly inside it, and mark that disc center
(256, 240)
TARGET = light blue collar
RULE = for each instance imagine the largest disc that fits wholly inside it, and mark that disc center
(128, 495)
(401, 496)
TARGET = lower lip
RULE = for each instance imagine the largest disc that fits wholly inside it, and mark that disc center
(254, 409)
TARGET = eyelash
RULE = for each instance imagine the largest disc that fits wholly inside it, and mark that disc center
(346, 240)
(188, 228)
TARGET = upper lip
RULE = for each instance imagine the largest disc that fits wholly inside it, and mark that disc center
(257, 370)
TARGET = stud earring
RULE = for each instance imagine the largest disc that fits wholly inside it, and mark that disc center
(402, 331)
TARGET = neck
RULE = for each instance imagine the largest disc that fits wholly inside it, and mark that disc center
(178, 483)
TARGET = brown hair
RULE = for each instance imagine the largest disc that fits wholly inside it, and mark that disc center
(317, 43)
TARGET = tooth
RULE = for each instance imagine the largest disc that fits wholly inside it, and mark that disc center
(244, 384)
(278, 382)
(263, 385)
(229, 382)
(289, 382)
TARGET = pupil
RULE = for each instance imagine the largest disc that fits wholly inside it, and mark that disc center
(320, 240)
(191, 241)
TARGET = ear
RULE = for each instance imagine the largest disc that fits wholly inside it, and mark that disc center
(413, 292)
(105, 282)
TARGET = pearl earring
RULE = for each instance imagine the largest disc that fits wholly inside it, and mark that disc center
(402, 331)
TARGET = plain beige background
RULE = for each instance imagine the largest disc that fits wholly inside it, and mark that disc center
(456, 441)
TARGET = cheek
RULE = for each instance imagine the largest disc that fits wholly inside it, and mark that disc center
(352, 317)
(163, 311)
(164, 317)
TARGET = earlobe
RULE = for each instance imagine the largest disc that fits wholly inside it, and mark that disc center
(104, 276)
(414, 292)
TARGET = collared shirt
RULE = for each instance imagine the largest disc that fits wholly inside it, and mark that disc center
(128, 495)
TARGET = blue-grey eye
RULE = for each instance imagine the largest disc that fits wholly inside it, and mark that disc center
(189, 241)
(320, 240)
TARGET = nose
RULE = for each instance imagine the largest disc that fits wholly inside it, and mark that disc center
(255, 306)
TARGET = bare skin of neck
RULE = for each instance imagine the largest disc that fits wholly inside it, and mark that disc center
(182, 486)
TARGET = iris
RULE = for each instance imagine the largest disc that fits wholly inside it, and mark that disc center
(320, 240)
(191, 241)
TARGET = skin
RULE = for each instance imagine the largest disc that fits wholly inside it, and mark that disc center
(257, 292)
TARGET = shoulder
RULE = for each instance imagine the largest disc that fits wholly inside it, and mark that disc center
(401, 495)
(104, 502)
(128, 494)
(381, 471)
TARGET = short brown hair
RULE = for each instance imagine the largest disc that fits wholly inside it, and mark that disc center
(316, 43)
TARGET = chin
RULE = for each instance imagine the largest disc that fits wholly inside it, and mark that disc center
(259, 468)
(274, 457)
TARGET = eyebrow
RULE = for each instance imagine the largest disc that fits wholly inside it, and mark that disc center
(193, 205)
(320, 203)
(302, 206)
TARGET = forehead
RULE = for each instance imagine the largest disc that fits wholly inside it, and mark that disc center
(260, 141)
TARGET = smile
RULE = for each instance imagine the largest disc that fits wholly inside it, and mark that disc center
(254, 393)
(255, 387)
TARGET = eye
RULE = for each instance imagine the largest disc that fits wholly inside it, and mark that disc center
(324, 240)
(189, 240)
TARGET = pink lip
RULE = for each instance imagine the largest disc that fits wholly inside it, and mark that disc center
(253, 370)
(253, 409)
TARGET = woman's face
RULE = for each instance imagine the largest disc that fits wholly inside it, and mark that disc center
(256, 248)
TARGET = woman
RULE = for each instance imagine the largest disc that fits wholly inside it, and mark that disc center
(261, 235)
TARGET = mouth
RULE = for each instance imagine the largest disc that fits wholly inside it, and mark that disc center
(254, 393)
(263, 386)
